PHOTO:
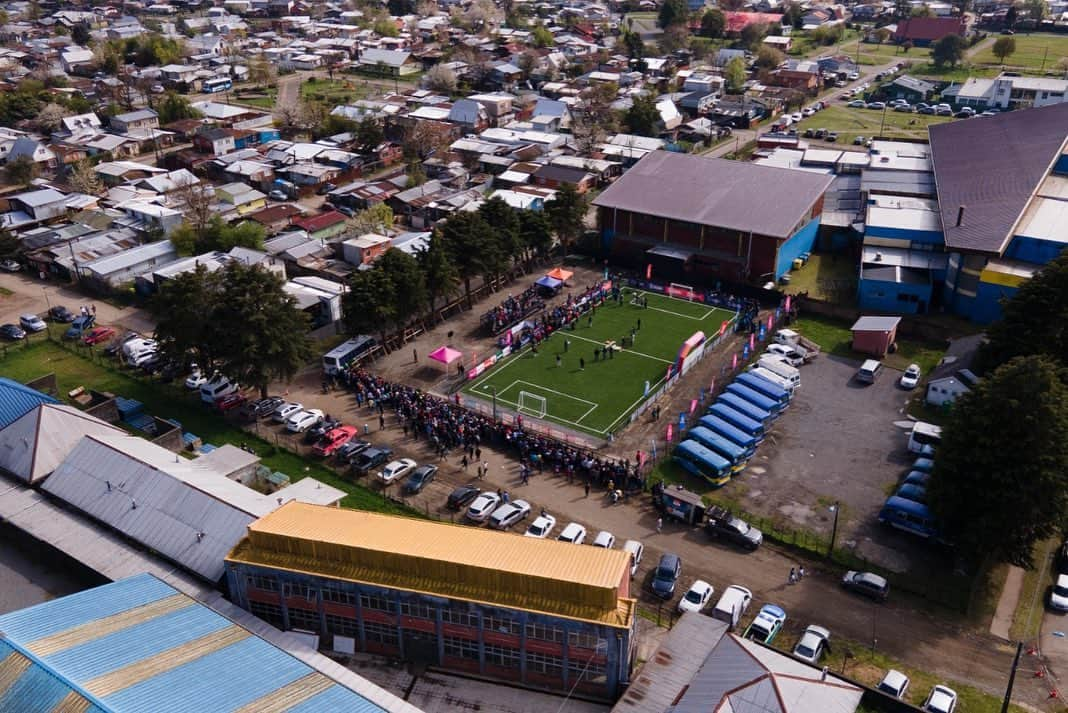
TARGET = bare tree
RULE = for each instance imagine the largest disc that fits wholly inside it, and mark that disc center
(50, 117)
(441, 78)
(595, 118)
(83, 178)
(197, 204)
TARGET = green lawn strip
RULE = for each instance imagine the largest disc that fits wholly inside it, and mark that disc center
(175, 402)
(595, 398)
(852, 122)
(959, 73)
(1030, 52)
(825, 277)
(835, 337)
(1027, 618)
(868, 667)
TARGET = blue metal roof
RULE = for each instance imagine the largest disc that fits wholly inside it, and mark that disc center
(138, 643)
(16, 400)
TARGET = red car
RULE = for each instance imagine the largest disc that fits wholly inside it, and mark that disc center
(335, 439)
(231, 401)
(98, 335)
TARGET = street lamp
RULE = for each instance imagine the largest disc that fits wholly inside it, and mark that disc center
(834, 528)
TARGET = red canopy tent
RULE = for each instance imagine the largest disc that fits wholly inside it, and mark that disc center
(560, 274)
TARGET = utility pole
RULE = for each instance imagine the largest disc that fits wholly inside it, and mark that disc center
(1044, 56)
(1012, 678)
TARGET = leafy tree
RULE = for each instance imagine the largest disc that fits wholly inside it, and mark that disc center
(542, 37)
(83, 178)
(1037, 10)
(184, 238)
(752, 36)
(535, 231)
(174, 107)
(261, 71)
(672, 12)
(1003, 47)
(769, 57)
(264, 334)
(1034, 321)
(442, 278)
(505, 222)
(906, 46)
(948, 50)
(183, 308)
(468, 240)
(735, 74)
(634, 44)
(642, 116)
(21, 170)
(921, 11)
(882, 35)
(410, 292)
(399, 8)
(378, 218)
(713, 22)
(80, 34)
(1010, 16)
(794, 16)
(246, 234)
(386, 27)
(369, 134)
(997, 507)
(567, 214)
(368, 306)
(674, 38)
(9, 245)
(827, 35)
(594, 118)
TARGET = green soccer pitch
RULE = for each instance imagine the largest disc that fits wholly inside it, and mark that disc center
(598, 399)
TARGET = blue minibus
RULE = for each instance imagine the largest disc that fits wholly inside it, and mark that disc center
(731, 433)
(755, 397)
(741, 405)
(908, 515)
(700, 461)
(737, 419)
(721, 445)
(763, 386)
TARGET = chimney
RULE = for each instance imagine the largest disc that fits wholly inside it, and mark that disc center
(960, 216)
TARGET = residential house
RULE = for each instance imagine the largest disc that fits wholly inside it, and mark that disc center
(910, 89)
(242, 197)
(738, 21)
(214, 141)
(365, 249)
(43, 204)
(944, 391)
(179, 73)
(1014, 92)
(322, 226)
(388, 62)
(276, 217)
(555, 176)
(113, 271)
(76, 59)
(33, 150)
(139, 119)
(925, 31)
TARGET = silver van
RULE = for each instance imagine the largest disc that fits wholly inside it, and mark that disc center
(869, 371)
(732, 605)
(636, 550)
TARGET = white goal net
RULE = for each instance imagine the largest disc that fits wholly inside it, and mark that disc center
(684, 292)
(532, 404)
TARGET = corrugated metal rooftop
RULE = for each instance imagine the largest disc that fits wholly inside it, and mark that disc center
(17, 400)
(140, 645)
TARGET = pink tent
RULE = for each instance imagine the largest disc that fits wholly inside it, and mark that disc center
(446, 355)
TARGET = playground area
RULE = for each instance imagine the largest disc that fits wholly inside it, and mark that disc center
(592, 375)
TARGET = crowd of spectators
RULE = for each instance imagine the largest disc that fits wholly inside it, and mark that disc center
(563, 315)
(512, 310)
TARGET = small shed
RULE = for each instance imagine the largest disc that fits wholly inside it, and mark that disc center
(945, 391)
(875, 335)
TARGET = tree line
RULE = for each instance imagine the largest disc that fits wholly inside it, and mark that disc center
(487, 243)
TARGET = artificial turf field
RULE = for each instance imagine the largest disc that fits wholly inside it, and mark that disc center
(598, 399)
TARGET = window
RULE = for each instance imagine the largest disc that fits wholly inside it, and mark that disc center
(545, 665)
(377, 602)
(461, 648)
(340, 625)
(586, 671)
(380, 633)
(303, 619)
(503, 626)
(585, 639)
(544, 632)
(416, 609)
(297, 589)
(502, 656)
(462, 617)
(271, 613)
(330, 594)
(264, 584)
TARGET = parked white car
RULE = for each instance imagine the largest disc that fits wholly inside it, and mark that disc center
(483, 507)
(573, 533)
(395, 470)
(695, 599)
(542, 526)
(894, 684)
(32, 323)
(509, 514)
(813, 644)
(604, 539)
(790, 355)
(195, 380)
(1058, 596)
(911, 377)
(941, 699)
(303, 420)
(285, 410)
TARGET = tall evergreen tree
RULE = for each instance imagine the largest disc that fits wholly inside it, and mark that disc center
(368, 307)
(409, 285)
(567, 213)
(469, 242)
(442, 278)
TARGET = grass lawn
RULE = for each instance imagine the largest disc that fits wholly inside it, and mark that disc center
(850, 123)
(261, 102)
(175, 402)
(834, 337)
(872, 54)
(1030, 52)
(338, 91)
(825, 277)
(597, 399)
(959, 73)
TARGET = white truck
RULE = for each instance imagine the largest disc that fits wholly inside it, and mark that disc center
(806, 348)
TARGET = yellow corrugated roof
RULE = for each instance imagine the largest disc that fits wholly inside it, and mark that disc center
(443, 559)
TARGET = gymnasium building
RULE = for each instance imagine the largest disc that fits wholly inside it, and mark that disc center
(538, 613)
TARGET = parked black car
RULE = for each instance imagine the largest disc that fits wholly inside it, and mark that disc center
(351, 449)
(255, 410)
(116, 344)
(13, 332)
(462, 497)
(666, 575)
(419, 478)
(725, 526)
(371, 458)
(868, 584)
(59, 313)
(312, 435)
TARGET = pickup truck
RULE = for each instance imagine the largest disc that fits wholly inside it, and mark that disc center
(807, 348)
(723, 525)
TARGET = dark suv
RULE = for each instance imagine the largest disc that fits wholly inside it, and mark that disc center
(870, 585)
(666, 575)
(371, 458)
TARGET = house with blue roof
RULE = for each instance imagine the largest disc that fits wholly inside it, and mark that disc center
(17, 400)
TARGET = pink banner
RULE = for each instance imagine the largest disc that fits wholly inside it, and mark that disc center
(670, 432)
(641, 458)
(734, 361)
(693, 406)
(712, 387)
(771, 321)
(722, 328)
(752, 341)
(787, 303)
(649, 271)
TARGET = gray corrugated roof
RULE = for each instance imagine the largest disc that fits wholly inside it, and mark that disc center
(32, 446)
(726, 669)
(991, 166)
(875, 324)
(716, 192)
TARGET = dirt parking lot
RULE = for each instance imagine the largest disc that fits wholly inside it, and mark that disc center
(837, 442)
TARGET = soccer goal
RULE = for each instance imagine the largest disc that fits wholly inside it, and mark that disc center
(683, 292)
(531, 404)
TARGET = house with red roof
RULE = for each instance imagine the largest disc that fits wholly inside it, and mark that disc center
(925, 31)
(738, 21)
(322, 226)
